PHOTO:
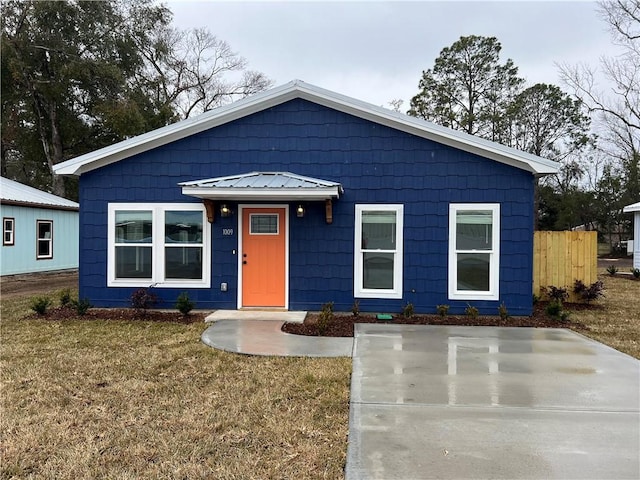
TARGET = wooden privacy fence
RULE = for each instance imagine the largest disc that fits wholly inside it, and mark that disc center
(561, 258)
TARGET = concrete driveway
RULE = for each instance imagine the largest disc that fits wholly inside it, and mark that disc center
(489, 402)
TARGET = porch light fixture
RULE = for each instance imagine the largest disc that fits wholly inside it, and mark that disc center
(225, 211)
(300, 211)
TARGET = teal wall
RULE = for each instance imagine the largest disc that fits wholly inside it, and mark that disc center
(21, 257)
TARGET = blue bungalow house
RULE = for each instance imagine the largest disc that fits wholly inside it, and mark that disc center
(299, 196)
(39, 230)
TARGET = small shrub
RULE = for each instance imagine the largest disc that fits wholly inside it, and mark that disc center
(442, 310)
(407, 310)
(636, 273)
(612, 270)
(184, 304)
(564, 316)
(143, 299)
(471, 312)
(558, 294)
(40, 304)
(355, 308)
(326, 317)
(65, 297)
(553, 309)
(535, 299)
(589, 293)
(503, 312)
(81, 306)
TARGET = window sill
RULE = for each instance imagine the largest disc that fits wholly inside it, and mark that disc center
(147, 283)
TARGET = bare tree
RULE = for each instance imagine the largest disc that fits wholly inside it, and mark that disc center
(192, 71)
(620, 105)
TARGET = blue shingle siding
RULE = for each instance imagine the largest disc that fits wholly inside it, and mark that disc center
(374, 163)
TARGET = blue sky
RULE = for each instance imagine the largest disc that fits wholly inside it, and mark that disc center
(376, 51)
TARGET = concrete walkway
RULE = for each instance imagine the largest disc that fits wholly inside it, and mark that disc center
(471, 402)
(488, 402)
(260, 333)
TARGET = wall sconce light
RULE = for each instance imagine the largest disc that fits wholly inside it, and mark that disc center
(225, 211)
(300, 211)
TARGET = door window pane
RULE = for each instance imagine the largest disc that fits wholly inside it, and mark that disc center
(264, 224)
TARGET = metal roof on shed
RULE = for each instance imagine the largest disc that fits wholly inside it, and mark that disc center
(634, 207)
(12, 192)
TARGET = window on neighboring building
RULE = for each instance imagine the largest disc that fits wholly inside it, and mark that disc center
(378, 251)
(8, 231)
(167, 245)
(44, 232)
(474, 251)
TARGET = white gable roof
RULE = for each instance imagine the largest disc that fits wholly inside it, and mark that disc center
(634, 207)
(17, 193)
(327, 98)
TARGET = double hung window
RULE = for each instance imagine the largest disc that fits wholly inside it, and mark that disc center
(378, 251)
(165, 245)
(474, 251)
(44, 240)
(8, 231)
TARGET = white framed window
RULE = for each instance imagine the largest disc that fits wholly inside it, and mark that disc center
(474, 251)
(44, 240)
(378, 251)
(8, 231)
(166, 245)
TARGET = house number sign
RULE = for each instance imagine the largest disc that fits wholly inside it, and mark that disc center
(227, 231)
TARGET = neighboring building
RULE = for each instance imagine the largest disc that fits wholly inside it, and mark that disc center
(299, 196)
(635, 209)
(39, 230)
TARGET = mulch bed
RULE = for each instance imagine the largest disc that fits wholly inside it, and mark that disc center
(343, 324)
(128, 314)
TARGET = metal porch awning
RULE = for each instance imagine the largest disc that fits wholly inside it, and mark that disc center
(261, 186)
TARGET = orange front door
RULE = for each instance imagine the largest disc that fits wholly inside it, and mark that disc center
(263, 257)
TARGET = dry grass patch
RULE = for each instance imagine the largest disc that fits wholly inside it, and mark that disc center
(617, 324)
(130, 400)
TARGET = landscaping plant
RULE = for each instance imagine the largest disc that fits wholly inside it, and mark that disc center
(184, 304)
(355, 308)
(589, 293)
(503, 312)
(81, 306)
(471, 312)
(558, 294)
(407, 310)
(326, 317)
(65, 297)
(40, 304)
(143, 299)
(442, 310)
(612, 270)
